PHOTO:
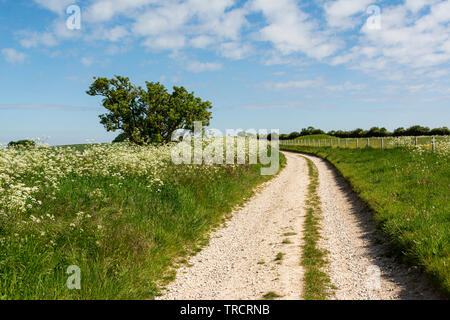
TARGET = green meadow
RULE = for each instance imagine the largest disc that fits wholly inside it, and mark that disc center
(124, 214)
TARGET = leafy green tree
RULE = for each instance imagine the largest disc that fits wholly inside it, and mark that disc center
(399, 132)
(417, 131)
(357, 133)
(444, 131)
(377, 132)
(122, 137)
(310, 131)
(294, 135)
(150, 114)
(22, 144)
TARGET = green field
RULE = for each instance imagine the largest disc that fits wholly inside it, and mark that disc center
(408, 191)
(123, 214)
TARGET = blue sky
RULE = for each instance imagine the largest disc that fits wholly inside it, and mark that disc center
(284, 64)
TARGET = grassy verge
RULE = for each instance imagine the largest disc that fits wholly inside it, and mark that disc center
(408, 193)
(124, 226)
(316, 282)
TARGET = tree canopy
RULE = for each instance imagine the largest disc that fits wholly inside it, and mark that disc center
(150, 114)
(22, 144)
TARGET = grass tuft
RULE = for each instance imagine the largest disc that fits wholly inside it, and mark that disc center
(279, 256)
(271, 296)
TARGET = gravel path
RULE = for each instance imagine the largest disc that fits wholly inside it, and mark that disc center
(239, 262)
(359, 265)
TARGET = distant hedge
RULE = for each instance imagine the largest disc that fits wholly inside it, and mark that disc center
(373, 132)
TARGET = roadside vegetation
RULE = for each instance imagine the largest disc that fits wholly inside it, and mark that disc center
(316, 282)
(123, 213)
(408, 191)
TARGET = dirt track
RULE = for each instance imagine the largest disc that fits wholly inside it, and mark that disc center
(359, 265)
(239, 262)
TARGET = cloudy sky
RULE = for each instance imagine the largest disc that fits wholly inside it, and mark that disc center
(283, 64)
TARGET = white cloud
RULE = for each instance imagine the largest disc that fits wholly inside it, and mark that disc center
(235, 50)
(408, 41)
(34, 39)
(105, 10)
(201, 23)
(56, 32)
(87, 61)
(162, 20)
(346, 87)
(290, 30)
(202, 41)
(116, 33)
(166, 42)
(341, 13)
(414, 38)
(299, 84)
(116, 49)
(417, 5)
(13, 56)
(196, 66)
(57, 6)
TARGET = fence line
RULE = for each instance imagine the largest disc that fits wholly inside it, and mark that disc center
(374, 142)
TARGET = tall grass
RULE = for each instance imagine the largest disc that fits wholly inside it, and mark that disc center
(125, 215)
(408, 191)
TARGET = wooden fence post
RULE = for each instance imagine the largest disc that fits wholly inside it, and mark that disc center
(382, 143)
(415, 141)
(357, 143)
(434, 143)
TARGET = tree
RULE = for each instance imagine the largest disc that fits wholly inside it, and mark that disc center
(22, 144)
(122, 137)
(444, 131)
(294, 135)
(357, 133)
(399, 132)
(377, 132)
(310, 131)
(417, 131)
(150, 114)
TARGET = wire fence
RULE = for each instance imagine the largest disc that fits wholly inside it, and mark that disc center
(427, 142)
